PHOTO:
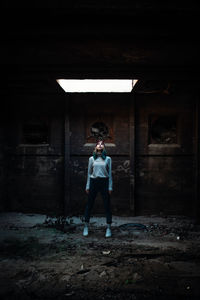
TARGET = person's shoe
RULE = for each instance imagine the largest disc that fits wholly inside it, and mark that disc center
(85, 231)
(108, 232)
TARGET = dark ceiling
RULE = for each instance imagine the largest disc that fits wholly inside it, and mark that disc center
(104, 39)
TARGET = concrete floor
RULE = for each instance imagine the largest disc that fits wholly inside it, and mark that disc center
(46, 257)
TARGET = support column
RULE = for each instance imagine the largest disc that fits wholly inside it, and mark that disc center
(197, 161)
(132, 152)
(66, 158)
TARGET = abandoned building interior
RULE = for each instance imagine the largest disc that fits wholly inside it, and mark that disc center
(151, 132)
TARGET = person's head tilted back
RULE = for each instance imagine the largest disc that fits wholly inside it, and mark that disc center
(99, 150)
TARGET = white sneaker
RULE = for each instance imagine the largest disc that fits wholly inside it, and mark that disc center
(108, 232)
(85, 231)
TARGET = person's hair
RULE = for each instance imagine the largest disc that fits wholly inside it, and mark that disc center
(103, 154)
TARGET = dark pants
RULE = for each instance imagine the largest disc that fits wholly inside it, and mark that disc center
(98, 185)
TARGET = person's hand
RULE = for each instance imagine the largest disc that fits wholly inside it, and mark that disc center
(110, 192)
(87, 191)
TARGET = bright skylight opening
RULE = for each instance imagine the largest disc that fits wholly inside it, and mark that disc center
(97, 85)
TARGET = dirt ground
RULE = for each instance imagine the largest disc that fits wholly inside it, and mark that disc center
(147, 257)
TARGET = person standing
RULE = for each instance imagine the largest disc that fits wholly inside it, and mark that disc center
(99, 179)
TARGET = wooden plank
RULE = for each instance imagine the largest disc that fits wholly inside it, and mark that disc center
(132, 152)
(67, 159)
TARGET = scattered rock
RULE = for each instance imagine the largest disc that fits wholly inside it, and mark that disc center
(83, 271)
(69, 294)
(106, 252)
(137, 277)
(102, 274)
(66, 278)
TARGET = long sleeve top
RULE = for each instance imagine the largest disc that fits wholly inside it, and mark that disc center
(99, 168)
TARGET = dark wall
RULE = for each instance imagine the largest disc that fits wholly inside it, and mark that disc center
(113, 110)
(164, 157)
(139, 40)
(165, 153)
(152, 139)
(34, 154)
(2, 175)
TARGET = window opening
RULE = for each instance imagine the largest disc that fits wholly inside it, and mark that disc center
(35, 131)
(99, 130)
(163, 129)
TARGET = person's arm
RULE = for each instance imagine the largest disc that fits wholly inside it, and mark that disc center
(110, 174)
(89, 173)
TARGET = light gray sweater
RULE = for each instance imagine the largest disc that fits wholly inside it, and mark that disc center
(99, 168)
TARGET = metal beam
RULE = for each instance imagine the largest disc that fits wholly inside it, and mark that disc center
(66, 158)
(132, 152)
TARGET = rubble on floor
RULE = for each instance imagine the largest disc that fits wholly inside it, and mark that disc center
(46, 257)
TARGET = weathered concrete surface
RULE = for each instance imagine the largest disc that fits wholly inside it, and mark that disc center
(42, 259)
